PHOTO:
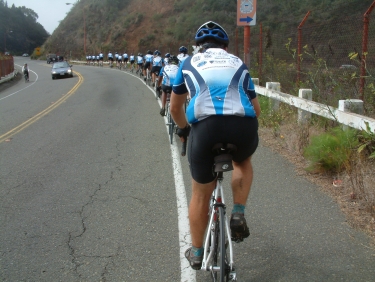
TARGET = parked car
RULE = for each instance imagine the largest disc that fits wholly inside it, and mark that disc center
(51, 58)
(61, 69)
(25, 55)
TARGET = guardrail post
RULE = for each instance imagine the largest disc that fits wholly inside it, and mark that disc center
(274, 104)
(304, 116)
(352, 106)
(255, 81)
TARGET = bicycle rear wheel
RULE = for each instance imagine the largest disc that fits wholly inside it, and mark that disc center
(221, 250)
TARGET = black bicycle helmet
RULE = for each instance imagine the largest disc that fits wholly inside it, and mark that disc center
(183, 49)
(167, 55)
(211, 30)
(156, 53)
(173, 60)
(149, 52)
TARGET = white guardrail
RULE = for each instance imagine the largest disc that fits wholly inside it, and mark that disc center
(344, 114)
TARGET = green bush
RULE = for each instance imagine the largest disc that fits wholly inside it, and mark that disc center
(331, 151)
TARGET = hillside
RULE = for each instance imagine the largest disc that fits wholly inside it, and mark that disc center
(20, 32)
(136, 26)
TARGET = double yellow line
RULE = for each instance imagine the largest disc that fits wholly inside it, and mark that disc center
(30, 121)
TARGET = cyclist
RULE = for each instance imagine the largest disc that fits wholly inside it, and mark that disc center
(101, 57)
(157, 64)
(223, 109)
(98, 59)
(139, 62)
(25, 71)
(116, 56)
(132, 59)
(167, 76)
(110, 58)
(125, 57)
(183, 54)
(166, 59)
(148, 62)
(119, 61)
(89, 60)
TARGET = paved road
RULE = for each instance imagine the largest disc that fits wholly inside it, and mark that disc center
(88, 193)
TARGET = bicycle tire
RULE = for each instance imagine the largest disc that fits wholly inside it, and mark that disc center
(223, 274)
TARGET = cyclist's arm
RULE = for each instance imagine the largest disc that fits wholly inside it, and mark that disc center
(177, 111)
(256, 106)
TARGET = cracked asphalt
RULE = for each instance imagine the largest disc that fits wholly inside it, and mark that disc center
(87, 194)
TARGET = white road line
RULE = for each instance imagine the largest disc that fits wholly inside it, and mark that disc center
(22, 88)
(187, 273)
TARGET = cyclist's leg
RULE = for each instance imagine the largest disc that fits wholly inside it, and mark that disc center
(242, 177)
(198, 211)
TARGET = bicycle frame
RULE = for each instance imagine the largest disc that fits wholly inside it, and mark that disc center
(207, 262)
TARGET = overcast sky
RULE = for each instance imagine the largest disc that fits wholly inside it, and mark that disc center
(50, 12)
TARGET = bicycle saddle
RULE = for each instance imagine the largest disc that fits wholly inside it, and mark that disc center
(223, 159)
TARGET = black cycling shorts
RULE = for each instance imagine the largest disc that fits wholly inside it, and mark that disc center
(147, 64)
(110, 59)
(166, 89)
(155, 69)
(240, 131)
(132, 62)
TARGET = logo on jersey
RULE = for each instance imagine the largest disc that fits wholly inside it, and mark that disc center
(201, 64)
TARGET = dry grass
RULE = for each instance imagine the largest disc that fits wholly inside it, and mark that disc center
(353, 190)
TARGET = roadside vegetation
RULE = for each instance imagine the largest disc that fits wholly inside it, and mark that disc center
(342, 160)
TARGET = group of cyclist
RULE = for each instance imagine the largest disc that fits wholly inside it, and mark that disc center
(223, 109)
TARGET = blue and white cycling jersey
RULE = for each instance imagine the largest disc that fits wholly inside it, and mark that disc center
(101, 56)
(157, 61)
(148, 58)
(182, 57)
(125, 56)
(166, 61)
(132, 58)
(219, 83)
(139, 60)
(169, 73)
(110, 55)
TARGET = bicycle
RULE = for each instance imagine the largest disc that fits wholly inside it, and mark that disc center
(216, 257)
(157, 92)
(170, 122)
(26, 76)
(148, 77)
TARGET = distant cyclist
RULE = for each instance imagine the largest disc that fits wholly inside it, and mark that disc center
(148, 63)
(125, 57)
(166, 58)
(167, 77)
(140, 63)
(183, 54)
(157, 64)
(223, 109)
(25, 71)
(101, 57)
(132, 60)
(110, 58)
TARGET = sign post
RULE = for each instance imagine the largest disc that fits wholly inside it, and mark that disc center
(246, 16)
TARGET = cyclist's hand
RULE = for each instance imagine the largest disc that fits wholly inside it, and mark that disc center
(184, 132)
